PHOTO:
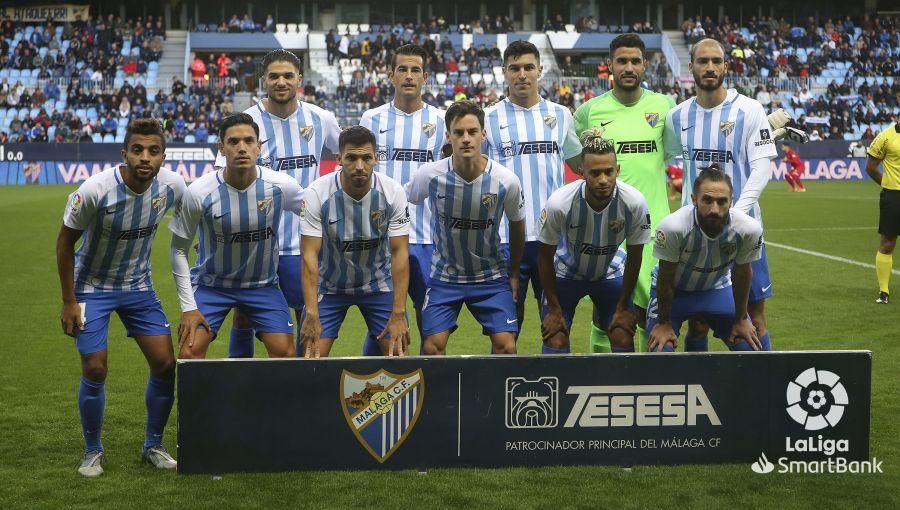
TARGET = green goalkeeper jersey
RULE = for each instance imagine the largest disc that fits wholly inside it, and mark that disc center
(637, 131)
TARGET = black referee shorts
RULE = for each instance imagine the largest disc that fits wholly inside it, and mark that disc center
(889, 207)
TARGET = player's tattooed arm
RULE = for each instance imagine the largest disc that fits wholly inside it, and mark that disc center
(662, 332)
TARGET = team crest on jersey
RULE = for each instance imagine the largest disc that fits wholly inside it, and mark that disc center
(158, 203)
(651, 118)
(381, 154)
(550, 121)
(307, 132)
(660, 240)
(726, 128)
(302, 208)
(727, 248)
(507, 149)
(382, 408)
(378, 218)
(543, 216)
(264, 205)
(617, 225)
(428, 129)
(76, 201)
(488, 200)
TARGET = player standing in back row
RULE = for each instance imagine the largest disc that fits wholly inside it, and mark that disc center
(293, 135)
(118, 212)
(634, 120)
(408, 134)
(534, 138)
(721, 126)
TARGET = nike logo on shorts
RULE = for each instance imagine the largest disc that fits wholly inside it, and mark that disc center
(511, 321)
(767, 287)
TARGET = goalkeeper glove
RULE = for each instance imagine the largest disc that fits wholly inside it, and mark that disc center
(778, 119)
(792, 134)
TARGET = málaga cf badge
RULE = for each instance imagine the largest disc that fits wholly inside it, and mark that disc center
(382, 408)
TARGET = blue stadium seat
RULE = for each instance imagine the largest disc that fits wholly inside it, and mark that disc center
(97, 138)
(190, 139)
(153, 66)
(81, 113)
(4, 73)
(14, 74)
(2, 112)
(119, 139)
(60, 105)
(108, 138)
(51, 132)
(59, 31)
(212, 139)
(91, 113)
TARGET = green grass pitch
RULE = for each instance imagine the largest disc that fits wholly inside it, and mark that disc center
(819, 304)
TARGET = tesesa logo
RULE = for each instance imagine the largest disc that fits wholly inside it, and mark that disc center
(532, 404)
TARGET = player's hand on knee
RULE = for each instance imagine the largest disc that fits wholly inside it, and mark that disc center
(398, 329)
(310, 332)
(553, 324)
(745, 330)
(660, 335)
(70, 317)
(625, 320)
(187, 328)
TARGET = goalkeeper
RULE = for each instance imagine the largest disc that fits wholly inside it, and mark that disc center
(634, 118)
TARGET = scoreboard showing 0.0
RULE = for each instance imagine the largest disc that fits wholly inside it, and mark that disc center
(11, 155)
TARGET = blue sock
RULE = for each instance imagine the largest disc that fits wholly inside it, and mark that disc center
(741, 346)
(159, 398)
(766, 343)
(241, 343)
(696, 344)
(668, 348)
(91, 401)
(621, 349)
(550, 350)
(371, 347)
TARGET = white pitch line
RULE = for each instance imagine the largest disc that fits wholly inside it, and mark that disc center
(826, 256)
(818, 229)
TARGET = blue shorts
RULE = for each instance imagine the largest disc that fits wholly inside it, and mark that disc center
(289, 280)
(419, 271)
(375, 308)
(528, 269)
(139, 310)
(491, 303)
(714, 306)
(604, 293)
(264, 306)
(761, 286)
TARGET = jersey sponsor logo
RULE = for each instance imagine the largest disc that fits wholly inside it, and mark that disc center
(158, 203)
(531, 403)
(381, 154)
(249, 236)
(651, 118)
(617, 225)
(307, 132)
(507, 149)
(264, 205)
(137, 233)
(636, 147)
(526, 148)
(298, 162)
(375, 402)
(361, 245)
(715, 269)
(550, 121)
(593, 249)
(764, 138)
(646, 225)
(414, 155)
(488, 200)
(379, 218)
(469, 224)
(428, 129)
(709, 156)
(726, 127)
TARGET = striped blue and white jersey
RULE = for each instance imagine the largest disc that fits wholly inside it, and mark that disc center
(587, 241)
(238, 228)
(119, 226)
(732, 134)
(294, 146)
(356, 249)
(534, 143)
(406, 141)
(466, 219)
(705, 263)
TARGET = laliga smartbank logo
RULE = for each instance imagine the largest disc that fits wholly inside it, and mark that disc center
(534, 404)
(816, 399)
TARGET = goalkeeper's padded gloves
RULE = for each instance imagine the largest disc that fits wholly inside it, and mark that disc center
(792, 134)
(778, 119)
